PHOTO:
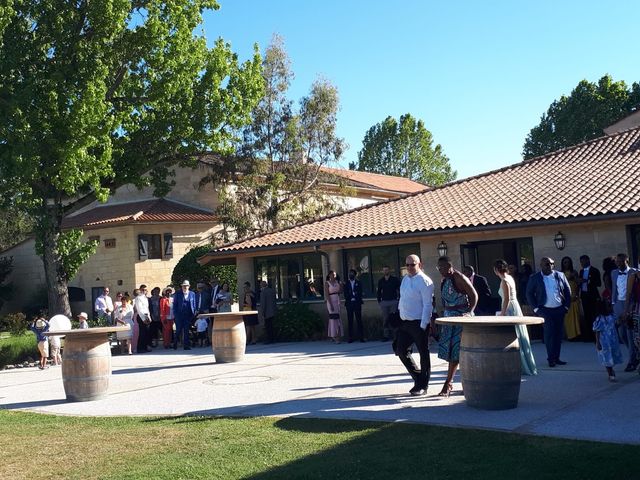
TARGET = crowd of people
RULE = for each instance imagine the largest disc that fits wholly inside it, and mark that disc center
(570, 302)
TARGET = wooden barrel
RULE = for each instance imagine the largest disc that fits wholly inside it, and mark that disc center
(490, 366)
(86, 367)
(229, 338)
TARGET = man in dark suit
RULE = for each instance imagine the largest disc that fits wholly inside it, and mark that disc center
(589, 280)
(485, 304)
(185, 310)
(353, 303)
(549, 294)
(620, 296)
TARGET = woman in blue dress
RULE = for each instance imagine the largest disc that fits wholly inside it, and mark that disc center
(511, 308)
(459, 298)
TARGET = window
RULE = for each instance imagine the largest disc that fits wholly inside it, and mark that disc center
(293, 277)
(368, 263)
(150, 246)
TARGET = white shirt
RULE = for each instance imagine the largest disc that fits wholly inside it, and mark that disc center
(141, 305)
(621, 284)
(585, 277)
(104, 305)
(554, 299)
(201, 325)
(353, 289)
(416, 297)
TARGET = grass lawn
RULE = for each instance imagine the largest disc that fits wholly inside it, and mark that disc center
(15, 349)
(37, 446)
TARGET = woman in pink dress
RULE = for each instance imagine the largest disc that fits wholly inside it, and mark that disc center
(332, 289)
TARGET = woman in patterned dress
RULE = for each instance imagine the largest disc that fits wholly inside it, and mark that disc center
(459, 298)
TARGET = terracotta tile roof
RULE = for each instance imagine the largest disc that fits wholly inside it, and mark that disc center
(159, 210)
(599, 177)
(377, 181)
(388, 183)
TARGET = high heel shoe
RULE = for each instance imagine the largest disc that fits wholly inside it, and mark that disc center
(446, 390)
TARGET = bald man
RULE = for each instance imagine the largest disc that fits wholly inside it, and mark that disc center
(416, 306)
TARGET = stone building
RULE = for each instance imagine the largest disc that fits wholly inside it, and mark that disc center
(579, 200)
(142, 238)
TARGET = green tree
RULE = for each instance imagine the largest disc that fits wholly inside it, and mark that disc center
(582, 115)
(15, 226)
(404, 148)
(94, 95)
(284, 151)
(188, 268)
(5, 270)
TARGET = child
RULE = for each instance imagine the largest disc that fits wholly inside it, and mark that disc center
(38, 327)
(54, 346)
(82, 318)
(607, 344)
(201, 328)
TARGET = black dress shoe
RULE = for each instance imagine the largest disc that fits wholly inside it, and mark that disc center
(362, 340)
(350, 341)
(417, 391)
(630, 368)
(552, 364)
(560, 362)
(187, 348)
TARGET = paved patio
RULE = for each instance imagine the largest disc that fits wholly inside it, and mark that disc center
(362, 381)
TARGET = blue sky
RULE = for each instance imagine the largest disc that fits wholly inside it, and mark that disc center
(480, 74)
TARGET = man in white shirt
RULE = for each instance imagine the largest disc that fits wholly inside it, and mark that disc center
(620, 296)
(104, 305)
(416, 306)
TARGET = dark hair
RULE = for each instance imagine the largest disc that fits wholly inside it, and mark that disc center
(608, 264)
(526, 269)
(500, 265)
(247, 284)
(602, 307)
(329, 274)
(470, 268)
(353, 271)
(623, 256)
(444, 259)
(584, 257)
(570, 263)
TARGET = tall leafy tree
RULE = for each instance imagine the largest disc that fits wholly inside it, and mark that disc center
(15, 226)
(404, 148)
(93, 94)
(284, 150)
(582, 115)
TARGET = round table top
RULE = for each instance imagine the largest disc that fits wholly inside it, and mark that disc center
(87, 331)
(490, 321)
(225, 314)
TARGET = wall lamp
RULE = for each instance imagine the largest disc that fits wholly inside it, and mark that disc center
(442, 249)
(560, 241)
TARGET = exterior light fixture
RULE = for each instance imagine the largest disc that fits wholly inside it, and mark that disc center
(442, 249)
(560, 241)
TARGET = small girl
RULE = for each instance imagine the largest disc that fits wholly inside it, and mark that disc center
(607, 344)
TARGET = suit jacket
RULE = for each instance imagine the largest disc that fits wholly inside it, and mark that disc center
(356, 292)
(593, 282)
(485, 304)
(179, 300)
(614, 282)
(267, 306)
(537, 293)
(203, 301)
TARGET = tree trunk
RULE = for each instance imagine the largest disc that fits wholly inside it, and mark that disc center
(57, 290)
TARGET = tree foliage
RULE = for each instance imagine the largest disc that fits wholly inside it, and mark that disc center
(582, 115)
(285, 151)
(94, 94)
(188, 268)
(15, 226)
(6, 267)
(404, 148)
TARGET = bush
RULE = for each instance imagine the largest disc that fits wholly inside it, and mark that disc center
(14, 323)
(189, 269)
(296, 322)
(17, 349)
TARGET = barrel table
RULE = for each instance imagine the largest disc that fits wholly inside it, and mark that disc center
(86, 363)
(490, 359)
(228, 338)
